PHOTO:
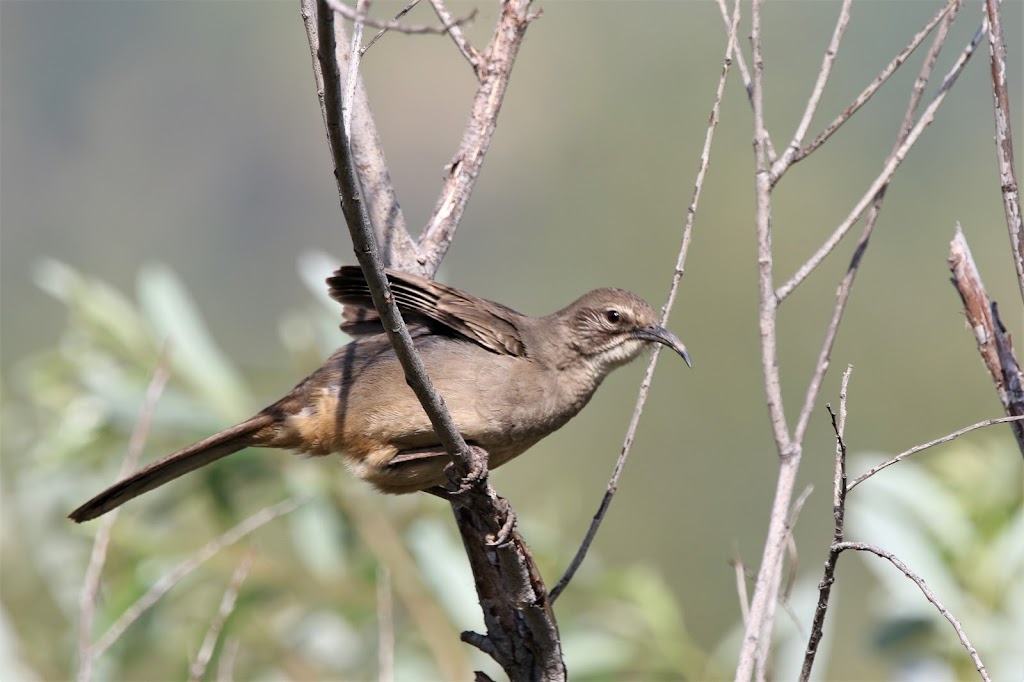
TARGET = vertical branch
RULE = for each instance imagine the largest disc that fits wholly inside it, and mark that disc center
(1004, 138)
(758, 627)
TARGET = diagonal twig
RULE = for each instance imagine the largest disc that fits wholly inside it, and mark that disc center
(227, 605)
(816, 93)
(458, 37)
(91, 583)
(930, 444)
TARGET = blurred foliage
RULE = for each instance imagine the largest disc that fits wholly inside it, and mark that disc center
(956, 518)
(309, 609)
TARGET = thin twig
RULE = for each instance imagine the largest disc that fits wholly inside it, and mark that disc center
(928, 594)
(1004, 138)
(839, 491)
(684, 247)
(930, 444)
(866, 94)
(227, 605)
(175, 575)
(819, 89)
(458, 37)
(395, 25)
(101, 543)
(884, 176)
(741, 62)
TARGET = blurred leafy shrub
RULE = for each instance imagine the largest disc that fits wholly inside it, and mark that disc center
(310, 608)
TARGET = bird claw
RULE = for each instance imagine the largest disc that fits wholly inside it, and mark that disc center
(504, 534)
(460, 485)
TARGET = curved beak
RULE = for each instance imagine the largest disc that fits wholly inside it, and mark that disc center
(658, 334)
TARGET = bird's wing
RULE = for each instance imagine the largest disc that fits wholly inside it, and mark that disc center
(420, 300)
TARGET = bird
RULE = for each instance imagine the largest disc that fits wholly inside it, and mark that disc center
(508, 380)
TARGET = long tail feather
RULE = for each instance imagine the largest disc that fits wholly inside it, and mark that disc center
(172, 466)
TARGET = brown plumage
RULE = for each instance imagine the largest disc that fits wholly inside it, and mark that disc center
(508, 380)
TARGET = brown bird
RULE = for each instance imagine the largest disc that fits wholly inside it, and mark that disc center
(508, 381)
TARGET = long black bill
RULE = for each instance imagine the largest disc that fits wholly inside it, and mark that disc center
(659, 334)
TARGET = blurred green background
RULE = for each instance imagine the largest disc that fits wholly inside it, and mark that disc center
(162, 160)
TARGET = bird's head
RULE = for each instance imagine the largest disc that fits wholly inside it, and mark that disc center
(610, 327)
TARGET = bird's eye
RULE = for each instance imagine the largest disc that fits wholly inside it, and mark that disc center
(612, 316)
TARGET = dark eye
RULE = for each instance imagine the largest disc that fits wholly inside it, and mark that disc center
(612, 316)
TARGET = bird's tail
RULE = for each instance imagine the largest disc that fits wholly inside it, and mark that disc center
(174, 465)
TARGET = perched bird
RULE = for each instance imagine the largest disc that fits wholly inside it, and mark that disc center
(508, 381)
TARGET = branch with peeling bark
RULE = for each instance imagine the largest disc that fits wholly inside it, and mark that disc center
(994, 344)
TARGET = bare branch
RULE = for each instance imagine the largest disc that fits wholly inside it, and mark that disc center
(928, 594)
(324, 35)
(684, 247)
(175, 575)
(930, 444)
(1004, 138)
(227, 605)
(757, 633)
(101, 543)
(993, 343)
(737, 54)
